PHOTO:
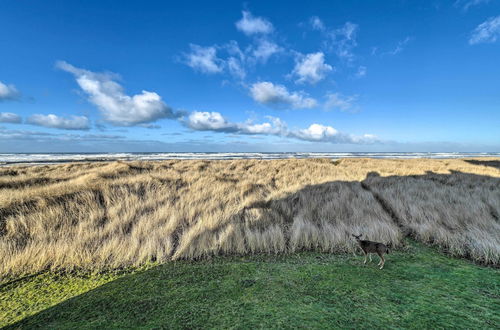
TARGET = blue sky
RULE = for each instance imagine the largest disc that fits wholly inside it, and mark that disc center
(252, 76)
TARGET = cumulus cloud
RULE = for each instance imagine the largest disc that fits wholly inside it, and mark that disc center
(117, 107)
(322, 133)
(9, 117)
(204, 59)
(315, 132)
(278, 96)
(214, 121)
(486, 32)
(337, 101)
(251, 25)
(209, 121)
(54, 121)
(311, 68)
(8, 92)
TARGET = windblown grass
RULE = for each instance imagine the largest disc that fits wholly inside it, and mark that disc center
(110, 215)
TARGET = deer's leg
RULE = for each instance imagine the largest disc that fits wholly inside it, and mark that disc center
(366, 254)
(370, 255)
(382, 260)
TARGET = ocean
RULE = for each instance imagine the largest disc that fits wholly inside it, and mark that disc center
(46, 158)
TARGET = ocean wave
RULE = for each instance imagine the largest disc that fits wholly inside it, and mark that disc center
(11, 158)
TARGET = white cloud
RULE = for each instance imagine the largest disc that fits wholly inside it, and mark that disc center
(117, 107)
(251, 25)
(9, 117)
(337, 101)
(278, 96)
(311, 68)
(209, 121)
(317, 23)
(275, 127)
(54, 121)
(214, 121)
(204, 59)
(486, 32)
(265, 49)
(322, 133)
(8, 92)
(315, 132)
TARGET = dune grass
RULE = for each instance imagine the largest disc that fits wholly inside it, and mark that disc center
(418, 288)
(104, 216)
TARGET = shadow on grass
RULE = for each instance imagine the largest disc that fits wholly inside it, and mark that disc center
(418, 286)
(492, 163)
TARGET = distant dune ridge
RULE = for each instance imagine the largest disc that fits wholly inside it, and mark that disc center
(107, 215)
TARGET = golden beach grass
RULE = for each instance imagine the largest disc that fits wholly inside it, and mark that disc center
(108, 215)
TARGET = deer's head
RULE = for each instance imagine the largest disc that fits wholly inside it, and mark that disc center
(358, 237)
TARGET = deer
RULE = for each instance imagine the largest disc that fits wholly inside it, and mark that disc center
(369, 247)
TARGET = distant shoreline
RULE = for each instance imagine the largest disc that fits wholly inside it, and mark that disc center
(7, 159)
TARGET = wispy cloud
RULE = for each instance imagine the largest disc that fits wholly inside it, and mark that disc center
(399, 47)
(311, 68)
(278, 96)
(251, 25)
(9, 117)
(317, 23)
(117, 107)
(340, 41)
(361, 72)
(204, 59)
(264, 49)
(465, 5)
(343, 40)
(486, 32)
(54, 121)
(340, 102)
(8, 92)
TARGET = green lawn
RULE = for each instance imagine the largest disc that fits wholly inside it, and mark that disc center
(419, 288)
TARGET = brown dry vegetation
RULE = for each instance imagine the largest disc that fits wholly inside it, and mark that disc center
(110, 215)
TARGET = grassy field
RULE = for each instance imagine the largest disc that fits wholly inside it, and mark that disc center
(250, 243)
(419, 288)
(103, 216)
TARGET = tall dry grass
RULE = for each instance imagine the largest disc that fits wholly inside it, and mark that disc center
(110, 215)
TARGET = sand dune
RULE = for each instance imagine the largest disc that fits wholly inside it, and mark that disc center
(110, 215)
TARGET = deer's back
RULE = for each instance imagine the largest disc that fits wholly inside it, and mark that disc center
(373, 247)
